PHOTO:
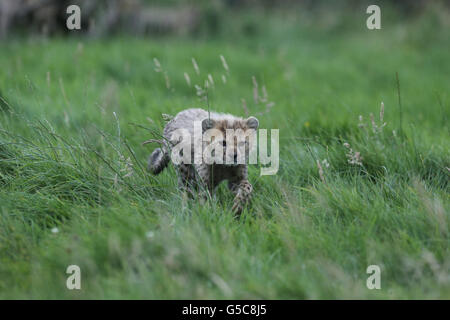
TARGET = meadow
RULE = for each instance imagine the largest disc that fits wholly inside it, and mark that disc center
(354, 188)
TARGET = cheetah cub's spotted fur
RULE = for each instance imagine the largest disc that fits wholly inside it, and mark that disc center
(205, 176)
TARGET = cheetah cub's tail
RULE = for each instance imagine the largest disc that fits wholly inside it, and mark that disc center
(158, 160)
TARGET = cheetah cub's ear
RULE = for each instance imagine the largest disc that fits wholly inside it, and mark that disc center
(252, 123)
(208, 124)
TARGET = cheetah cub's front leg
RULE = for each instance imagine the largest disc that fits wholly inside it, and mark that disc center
(242, 190)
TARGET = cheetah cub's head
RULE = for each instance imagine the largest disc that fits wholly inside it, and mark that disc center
(229, 140)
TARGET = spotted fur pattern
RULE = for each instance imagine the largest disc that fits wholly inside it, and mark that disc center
(204, 178)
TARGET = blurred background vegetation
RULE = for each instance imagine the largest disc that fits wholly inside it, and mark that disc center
(201, 17)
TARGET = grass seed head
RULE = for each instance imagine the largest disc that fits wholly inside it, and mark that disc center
(188, 79)
(224, 63)
(196, 68)
(157, 65)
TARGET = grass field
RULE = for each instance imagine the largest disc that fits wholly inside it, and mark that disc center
(74, 190)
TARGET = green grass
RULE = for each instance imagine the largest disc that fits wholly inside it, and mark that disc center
(63, 164)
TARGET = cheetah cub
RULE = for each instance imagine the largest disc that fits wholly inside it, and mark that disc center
(227, 137)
